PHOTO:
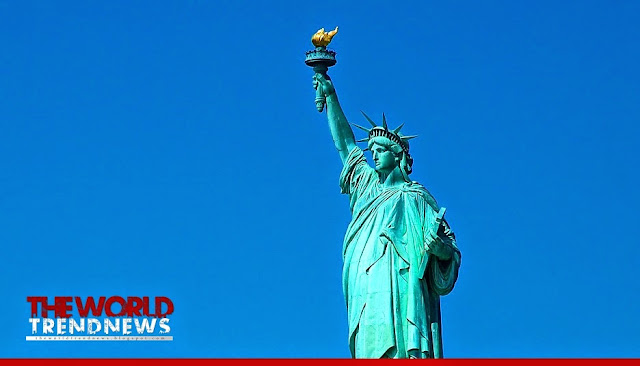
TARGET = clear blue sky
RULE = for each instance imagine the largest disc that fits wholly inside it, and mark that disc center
(173, 149)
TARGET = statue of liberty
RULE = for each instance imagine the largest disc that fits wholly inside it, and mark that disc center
(399, 252)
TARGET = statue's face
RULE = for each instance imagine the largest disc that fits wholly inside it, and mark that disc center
(384, 159)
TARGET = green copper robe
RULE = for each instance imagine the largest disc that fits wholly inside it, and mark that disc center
(392, 311)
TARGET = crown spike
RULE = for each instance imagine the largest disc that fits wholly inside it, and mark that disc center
(409, 137)
(363, 140)
(369, 119)
(362, 128)
(384, 122)
(398, 128)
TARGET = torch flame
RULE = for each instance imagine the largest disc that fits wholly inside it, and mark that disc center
(322, 38)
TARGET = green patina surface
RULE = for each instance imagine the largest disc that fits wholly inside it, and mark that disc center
(400, 255)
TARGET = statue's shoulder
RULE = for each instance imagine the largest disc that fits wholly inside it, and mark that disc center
(421, 192)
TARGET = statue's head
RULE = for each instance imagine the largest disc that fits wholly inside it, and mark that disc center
(386, 153)
(390, 149)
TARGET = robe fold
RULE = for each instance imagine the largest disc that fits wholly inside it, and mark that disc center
(392, 312)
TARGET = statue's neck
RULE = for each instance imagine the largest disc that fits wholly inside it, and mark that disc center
(391, 179)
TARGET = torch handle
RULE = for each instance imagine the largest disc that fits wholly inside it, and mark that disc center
(320, 99)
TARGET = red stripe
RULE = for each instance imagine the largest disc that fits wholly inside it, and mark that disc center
(333, 362)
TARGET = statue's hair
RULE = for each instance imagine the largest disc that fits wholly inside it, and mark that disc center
(387, 143)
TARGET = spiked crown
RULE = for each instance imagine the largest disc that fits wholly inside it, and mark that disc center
(384, 131)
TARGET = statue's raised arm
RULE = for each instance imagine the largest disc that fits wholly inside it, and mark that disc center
(341, 132)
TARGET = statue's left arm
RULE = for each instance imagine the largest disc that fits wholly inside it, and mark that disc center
(443, 245)
(445, 259)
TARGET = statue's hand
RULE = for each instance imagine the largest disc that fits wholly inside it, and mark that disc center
(436, 246)
(325, 85)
